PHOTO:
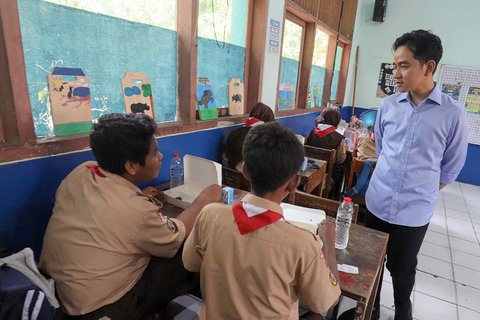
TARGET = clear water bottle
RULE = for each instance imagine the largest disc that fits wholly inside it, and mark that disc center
(176, 171)
(343, 222)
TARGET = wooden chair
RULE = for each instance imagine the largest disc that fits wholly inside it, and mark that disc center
(326, 155)
(355, 168)
(330, 207)
(234, 178)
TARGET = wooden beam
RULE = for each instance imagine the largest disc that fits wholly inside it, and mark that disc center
(187, 17)
(306, 66)
(15, 108)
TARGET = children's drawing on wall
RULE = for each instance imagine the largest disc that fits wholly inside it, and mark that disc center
(286, 96)
(472, 102)
(205, 98)
(235, 97)
(137, 93)
(70, 101)
(206, 105)
(386, 80)
(453, 90)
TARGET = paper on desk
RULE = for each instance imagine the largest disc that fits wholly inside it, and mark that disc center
(347, 268)
(306, 218)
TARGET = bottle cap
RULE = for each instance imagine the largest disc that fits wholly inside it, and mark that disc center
(347, 199)
(176, 155)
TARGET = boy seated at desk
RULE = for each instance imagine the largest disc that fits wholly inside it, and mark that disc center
(253, 264)
(109, 248)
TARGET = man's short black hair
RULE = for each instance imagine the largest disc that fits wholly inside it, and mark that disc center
(424, 45)
(118, 137)
(272, 156)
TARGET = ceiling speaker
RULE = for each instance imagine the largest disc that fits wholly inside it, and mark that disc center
(379, 10)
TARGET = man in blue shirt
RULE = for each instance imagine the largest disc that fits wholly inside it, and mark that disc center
(421, 139)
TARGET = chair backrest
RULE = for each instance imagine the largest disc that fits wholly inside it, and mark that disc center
(355, 168)
(330, 207)
(328, 155)
(234, 178)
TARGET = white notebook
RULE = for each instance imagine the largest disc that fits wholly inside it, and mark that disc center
(306, 218)
(199, 173)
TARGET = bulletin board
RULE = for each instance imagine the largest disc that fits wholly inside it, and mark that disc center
(463, 85)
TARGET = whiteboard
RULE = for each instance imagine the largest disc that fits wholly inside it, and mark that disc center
(463, 85)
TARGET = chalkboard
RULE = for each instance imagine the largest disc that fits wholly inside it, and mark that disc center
(463, 85)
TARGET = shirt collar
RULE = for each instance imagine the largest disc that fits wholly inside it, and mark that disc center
(115, 178)
(435, 95)
(263, 203)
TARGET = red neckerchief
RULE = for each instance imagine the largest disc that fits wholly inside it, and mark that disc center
(252, 121)
(246, 223)
(322, 133)
(95, 169)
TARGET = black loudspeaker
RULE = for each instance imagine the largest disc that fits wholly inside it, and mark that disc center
(379, 10)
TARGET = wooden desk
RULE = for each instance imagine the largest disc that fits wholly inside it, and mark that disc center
(366, 250)
(313, 178)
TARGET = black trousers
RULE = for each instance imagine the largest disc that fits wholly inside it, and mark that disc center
(162, 281)
(403, 246)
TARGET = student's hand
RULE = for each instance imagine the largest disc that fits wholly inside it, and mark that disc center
(212, 193)
(152, 191)
(326, 231)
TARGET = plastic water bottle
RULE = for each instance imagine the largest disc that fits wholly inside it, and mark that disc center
(343, 222)
(176, 171)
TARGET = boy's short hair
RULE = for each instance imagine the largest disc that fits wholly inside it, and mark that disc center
(272, 156)
(118, 137)
(424, 45)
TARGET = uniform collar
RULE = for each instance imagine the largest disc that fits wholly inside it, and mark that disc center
(435, 96)
(263, 203)
(93, 167)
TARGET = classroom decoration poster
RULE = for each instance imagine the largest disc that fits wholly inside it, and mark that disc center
(286, 96)
(452, 90)
(472, 102)
(69, 91)
(137, 93)
(463, 85)
(235, 97)
(386, 80)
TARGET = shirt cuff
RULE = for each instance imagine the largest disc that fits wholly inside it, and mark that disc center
(447, 178)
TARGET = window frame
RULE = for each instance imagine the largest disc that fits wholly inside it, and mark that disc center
(308, 43)
(16, 120)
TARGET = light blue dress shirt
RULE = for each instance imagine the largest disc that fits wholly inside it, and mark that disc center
(418, 147)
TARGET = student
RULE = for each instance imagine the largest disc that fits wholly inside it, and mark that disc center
(366, 145)
(253, 264)
(108, 247)
(232, 154)
(324, 136)
(421, 140)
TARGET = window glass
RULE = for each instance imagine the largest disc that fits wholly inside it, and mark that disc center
(291, 47)
(336, 73)
(105, 39)
(317, 76)
(222, 26)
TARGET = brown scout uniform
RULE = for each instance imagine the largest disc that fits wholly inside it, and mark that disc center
(100, 237)
(260, 274)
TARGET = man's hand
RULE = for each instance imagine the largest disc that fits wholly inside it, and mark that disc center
(212, 193)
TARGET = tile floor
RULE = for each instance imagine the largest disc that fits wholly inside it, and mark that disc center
(448, 273)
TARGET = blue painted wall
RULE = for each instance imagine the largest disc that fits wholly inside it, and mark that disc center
(28, 188)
